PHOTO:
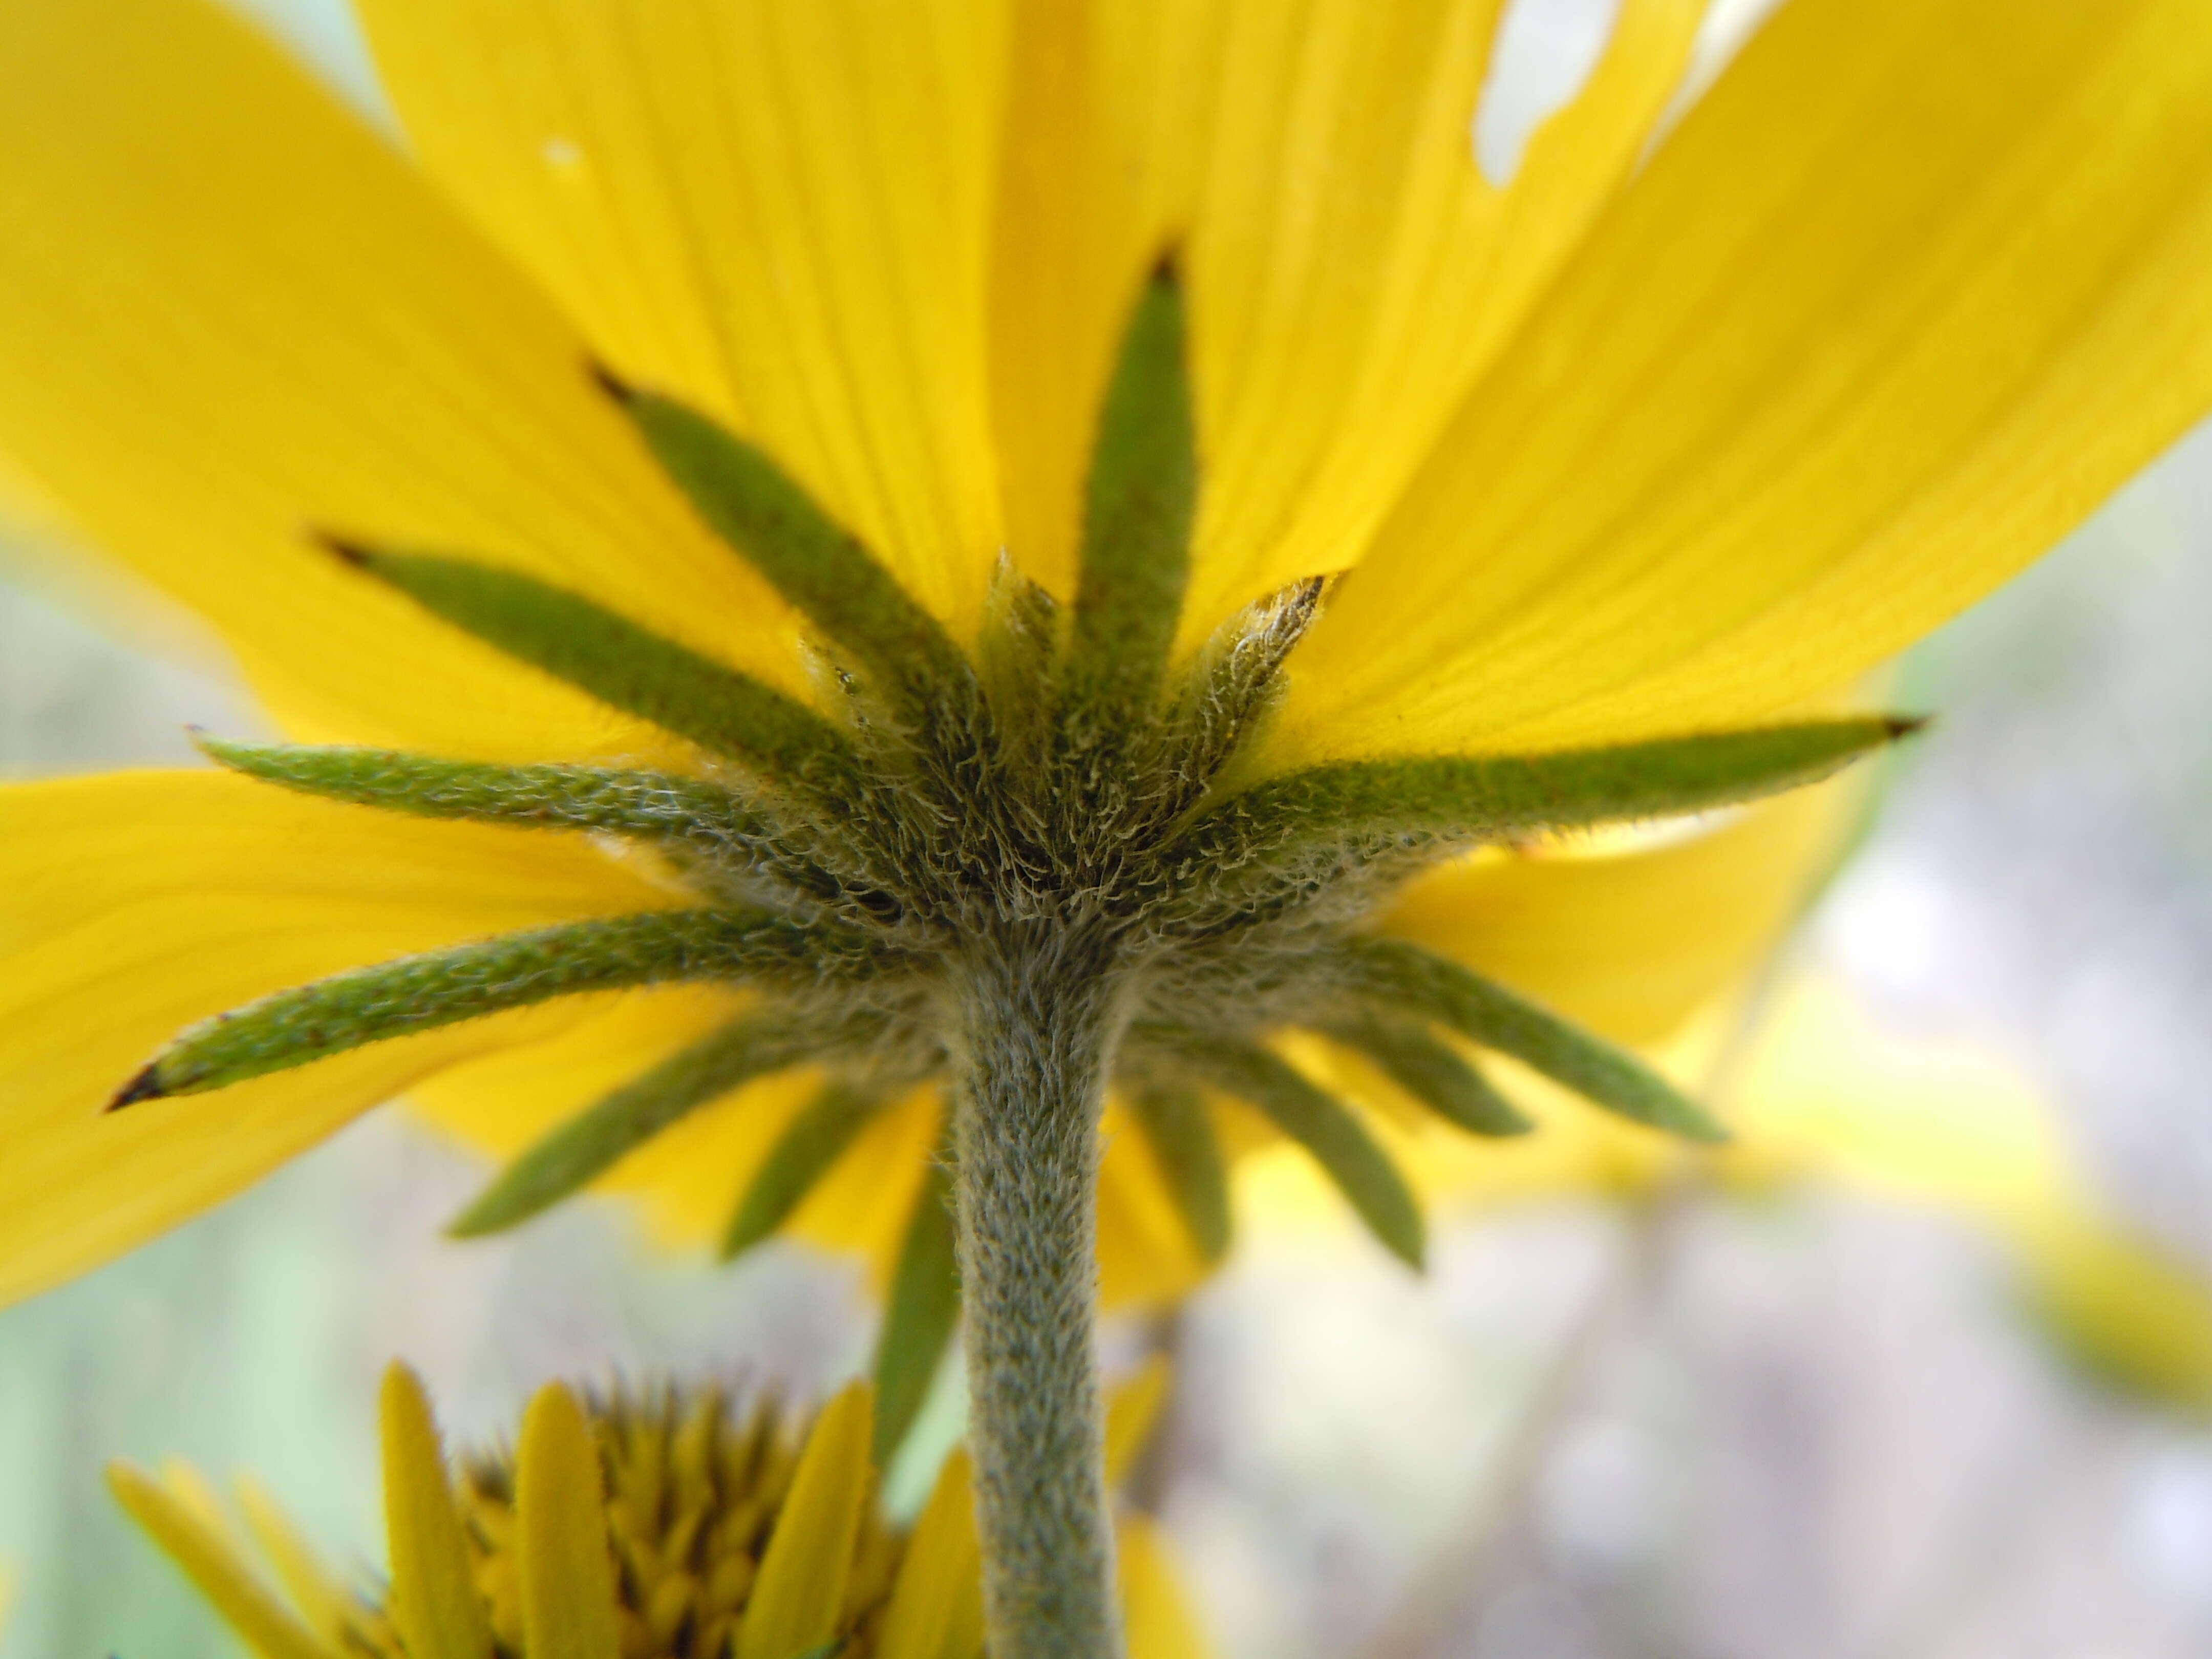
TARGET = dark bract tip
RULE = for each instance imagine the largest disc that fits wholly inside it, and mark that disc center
(1167, 268)
(1906, 726)
(344, 547)
(610, 382)
(144, 1086)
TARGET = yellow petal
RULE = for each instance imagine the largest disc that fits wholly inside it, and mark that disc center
(325, 1600)
(1157, 1618)
(196, 1495)
(777, 208)
(1632, 944)
(687, 1179)
(138, 903)
(568, 1575)
(1132, 1409)
(230, 315)
(433, 1593)
(1145, 1257)
(801, 1590)
(1823, 1088)
(1349, 267)
(204, 1557)
(1354, 270)
(2132, 1312)
(1908, 293)
(1105, 145)
(863, 1203)
(936, 1609)
(502, 1102)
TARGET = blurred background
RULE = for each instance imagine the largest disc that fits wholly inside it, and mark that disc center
(1826, 1421)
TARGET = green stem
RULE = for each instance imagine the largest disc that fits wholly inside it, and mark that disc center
(1038, 1024)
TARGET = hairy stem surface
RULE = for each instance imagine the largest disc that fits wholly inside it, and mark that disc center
(1037, 1023)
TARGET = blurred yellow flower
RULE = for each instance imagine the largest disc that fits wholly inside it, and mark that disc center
(634, 1526)
(1823, 1094)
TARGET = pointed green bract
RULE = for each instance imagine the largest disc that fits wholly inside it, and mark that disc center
(1178, 1126)
(682, 814)
(811, 1143)
(1236, 677)
(620, 664)
(651, 806)
(1347, 1154)
(1480, 797)
(921, 1315)
(1402, 977)
(596, 1139)
(1433, 1074)
(814, 563)
(1138, 504)
(466, 981)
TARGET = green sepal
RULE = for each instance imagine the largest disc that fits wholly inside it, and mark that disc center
(921, 1313)
(809, 1144)
(1494, 796)
(647, 805)
(433, 988)
(1347, 1154)
(1178, 1124)
(570, 1156)
(1402, 977)
(1138, 504)
(676, 812)
(1433, 1074)
(813, 562)
(620, 664)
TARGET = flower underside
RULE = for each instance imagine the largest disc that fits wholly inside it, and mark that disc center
(1064, 792)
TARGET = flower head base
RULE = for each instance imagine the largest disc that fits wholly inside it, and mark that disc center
(660, 1523)
(1059, 813)
(1064, 802)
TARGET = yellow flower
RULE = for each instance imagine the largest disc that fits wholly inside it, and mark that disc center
(233, 313)
(637, 1525)
(1010, 534)
(238, 316)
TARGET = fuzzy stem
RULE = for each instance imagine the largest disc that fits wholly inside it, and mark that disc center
(1038, 1024)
